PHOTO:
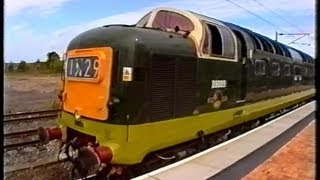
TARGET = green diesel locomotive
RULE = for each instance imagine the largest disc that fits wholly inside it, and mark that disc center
(133, 91)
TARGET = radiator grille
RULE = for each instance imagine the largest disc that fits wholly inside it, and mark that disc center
(172, 87)
(185, 85)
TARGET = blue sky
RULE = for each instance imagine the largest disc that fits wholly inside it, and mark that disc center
(35, 27)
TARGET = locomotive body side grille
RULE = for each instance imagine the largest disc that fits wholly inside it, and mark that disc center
(173, 85)
(162, 88)
(185, 87)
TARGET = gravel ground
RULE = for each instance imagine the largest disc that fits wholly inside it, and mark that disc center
(29, 93)
(32, 93)
(49, 172)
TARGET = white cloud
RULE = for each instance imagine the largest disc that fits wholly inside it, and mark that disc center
(14, 7)
(37, 44)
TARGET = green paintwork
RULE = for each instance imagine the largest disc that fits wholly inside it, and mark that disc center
(130, 144)
(135, 47)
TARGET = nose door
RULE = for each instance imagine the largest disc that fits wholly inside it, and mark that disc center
(87, 82)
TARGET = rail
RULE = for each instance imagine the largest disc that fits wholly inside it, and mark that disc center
(29, 116)
(20, 135)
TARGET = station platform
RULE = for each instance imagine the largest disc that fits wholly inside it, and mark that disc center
(295, 160)
(275, 150)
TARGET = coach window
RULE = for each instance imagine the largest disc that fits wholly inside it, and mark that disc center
(275, 69)
(311, 72)
(304, 57)
(305, 71)
(169, 20)
(282, 49)
(264, 44)
(309, 59)
(286, 70)
(286, 51)
(260, 67)
(270, 46)
(278, 49)
(297, 70)
(295, 55)
(257, 43)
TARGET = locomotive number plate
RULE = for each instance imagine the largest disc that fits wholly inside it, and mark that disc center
(84, 67)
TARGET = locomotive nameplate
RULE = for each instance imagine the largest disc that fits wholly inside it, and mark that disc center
(83, 67)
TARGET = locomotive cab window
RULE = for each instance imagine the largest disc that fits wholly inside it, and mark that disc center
(221, 42)
(166, 20)
(260, 67)
(275, 69)
(144, 20)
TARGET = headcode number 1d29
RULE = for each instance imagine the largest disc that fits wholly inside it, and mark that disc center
(83, 67)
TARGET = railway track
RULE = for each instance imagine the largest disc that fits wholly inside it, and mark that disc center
(30, 116)
(16, 137)
(14, 140)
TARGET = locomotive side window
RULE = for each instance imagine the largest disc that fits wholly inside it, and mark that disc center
(260, 67)
(242, 41)
(228, 43)
(216, 41)
(286, 70)
(166, 19)
(221, 41)
(275, 69)
(205, 47)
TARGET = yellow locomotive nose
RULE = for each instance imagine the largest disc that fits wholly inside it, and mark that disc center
(48, 134)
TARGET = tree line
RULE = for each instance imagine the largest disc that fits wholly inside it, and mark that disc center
(53, 64)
